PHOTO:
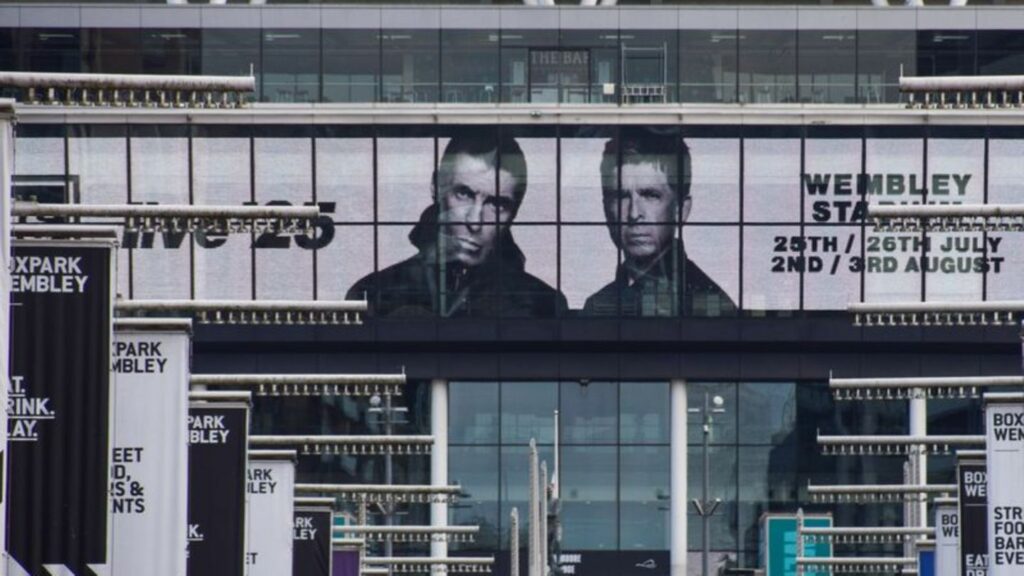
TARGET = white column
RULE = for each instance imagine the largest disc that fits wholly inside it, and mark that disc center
(677, 484)
(439, 458)
(919, 427)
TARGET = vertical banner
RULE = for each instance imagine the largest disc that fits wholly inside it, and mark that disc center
(1004, 447)
(149, 457)
(345, 562)
(58, 406)
(270, 489)
(218, 434)
(925, 558)
(6, 170)
(311, 553)
(973, 496)
(947, 538)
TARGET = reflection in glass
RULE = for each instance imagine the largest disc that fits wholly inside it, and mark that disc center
(828, 63)
(517, 84)
(768, 412)
(644, 498)
(469, 65)
(409, 65)
(767, 66)
(707, 65)
(528, 411)
(473, 412)
(723, 428)
(650, 66)
(515, 484)
(588, 489)
(231, 52)
(351, 65)
(722, 485)
(476, 471)
(588, 413)
(882, 55)
(586, 69)
(644, 413)
(291, 65)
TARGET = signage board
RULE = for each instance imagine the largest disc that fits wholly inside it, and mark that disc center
(58, 406)
(270, 490)
(972, 481)
(1004, 447)
(778, 551)
(311, 551)
(947, 538)
(149, 456)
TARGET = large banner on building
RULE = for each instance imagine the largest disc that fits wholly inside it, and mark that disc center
(947, 539)
(149, 457)
(218, 441)
(1004, 447)
(58, 407)
(6, 171)
(312, 541)
(271, 512)
(547, 220)
(972, 480)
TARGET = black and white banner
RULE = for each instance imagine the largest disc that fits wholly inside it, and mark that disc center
(6, 170)
(973, 494)
(218, 435)
(947, 539)
(312, 541)
(1004, 446)
(58, 407)
(149, 458)
(271, 507)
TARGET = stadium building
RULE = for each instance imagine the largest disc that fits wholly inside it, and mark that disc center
(606, 211)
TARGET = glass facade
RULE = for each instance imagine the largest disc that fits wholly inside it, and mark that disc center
(570, 221)
(615, 457)
(609, 66)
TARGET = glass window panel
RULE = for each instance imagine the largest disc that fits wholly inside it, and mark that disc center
(588, 67)
(9, 56)
(723, 427)
(589, 412)
(469, 65)
(588, 487)
(644, 504)
(50, 49)
(707, 65)
(220, 171)
(828, 66)
(832, 196)
(476, 471)
(348, 257)
(767, 412)
(531, 292)
(405, 176)
(771, 277)
(1005, 173)
(1000, 52)
(403, 284)
(768, 482)
(540, 203)
(528, 411)
(768, 66)
(410, 65)
(650, 60)
(283, 173)
(291, 65)
(955, 262)
(344, 176)
(98, 159)
(232, 53)
(171, 51)
(881, 56)
(518, 83)
(714, 179)
(771, 180)
(589, 263)
(955, 416)
(946, 53)
(159, 172)
(713, 253)
(112, 50)
(473, 413)
(894, 169)
(644, 413)
(515, 487)
(351, 65)
(722, 484)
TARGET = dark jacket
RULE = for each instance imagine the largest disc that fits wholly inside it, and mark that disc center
(425, 286)
(672, 286)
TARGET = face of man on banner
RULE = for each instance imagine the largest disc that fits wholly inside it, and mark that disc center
(476, 199)
(642, 205)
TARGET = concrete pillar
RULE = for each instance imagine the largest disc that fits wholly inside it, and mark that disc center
(439, 458)
(677, 484)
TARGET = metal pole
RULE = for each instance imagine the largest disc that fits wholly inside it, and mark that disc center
(678, 498)
(439, 461)
(513, 547)
(533, 547)
(544, 518)
(705, 518)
